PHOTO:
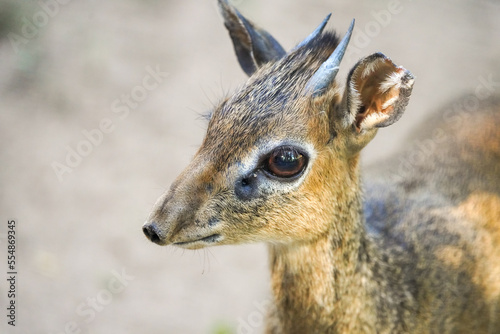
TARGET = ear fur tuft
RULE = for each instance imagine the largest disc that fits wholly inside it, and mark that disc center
(376, 95)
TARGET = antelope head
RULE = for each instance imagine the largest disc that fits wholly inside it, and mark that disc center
(279, 162)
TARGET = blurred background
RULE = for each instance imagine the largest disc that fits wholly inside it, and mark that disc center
(100, 105)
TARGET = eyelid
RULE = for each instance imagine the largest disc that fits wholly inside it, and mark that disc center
(264, 164)
(257, 156)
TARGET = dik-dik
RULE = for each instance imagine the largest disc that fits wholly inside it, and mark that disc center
(417, 253)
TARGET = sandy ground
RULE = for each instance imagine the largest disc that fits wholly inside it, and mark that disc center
(83, 264)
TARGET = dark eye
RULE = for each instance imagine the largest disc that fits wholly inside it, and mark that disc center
(285, 162)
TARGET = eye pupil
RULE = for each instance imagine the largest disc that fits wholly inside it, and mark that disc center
(285, 162)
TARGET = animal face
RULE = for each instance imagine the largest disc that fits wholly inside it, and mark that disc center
(279, 159)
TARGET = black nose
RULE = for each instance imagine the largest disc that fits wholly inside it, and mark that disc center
(152, 232)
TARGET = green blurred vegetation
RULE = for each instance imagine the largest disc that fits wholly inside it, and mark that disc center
(11, 15)
(222, 327)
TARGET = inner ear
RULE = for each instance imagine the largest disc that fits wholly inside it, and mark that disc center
(377, 93)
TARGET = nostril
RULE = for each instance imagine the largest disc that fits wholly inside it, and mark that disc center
(152, 232)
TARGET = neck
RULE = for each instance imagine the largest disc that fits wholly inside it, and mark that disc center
(322, 286)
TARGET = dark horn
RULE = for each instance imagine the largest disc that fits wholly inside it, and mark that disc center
(314, 34)
(326, 73)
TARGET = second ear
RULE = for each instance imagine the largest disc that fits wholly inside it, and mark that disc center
(376, 93)
(253, 46)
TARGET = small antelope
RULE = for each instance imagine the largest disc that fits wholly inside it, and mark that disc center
(280, 164)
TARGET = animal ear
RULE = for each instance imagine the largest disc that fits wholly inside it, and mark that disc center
(253, 46)
(376, 94)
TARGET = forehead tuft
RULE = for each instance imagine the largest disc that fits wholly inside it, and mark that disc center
(269, 103)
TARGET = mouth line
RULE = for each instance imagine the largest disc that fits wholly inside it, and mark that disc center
(210, 239)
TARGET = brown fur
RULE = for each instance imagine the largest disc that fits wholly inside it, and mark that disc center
(419, 252)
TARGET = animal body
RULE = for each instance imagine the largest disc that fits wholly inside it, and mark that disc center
(416, 253)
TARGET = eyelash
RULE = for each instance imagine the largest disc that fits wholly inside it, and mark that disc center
(293, 162)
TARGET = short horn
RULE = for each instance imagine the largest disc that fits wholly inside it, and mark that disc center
(314, 34)
(326, 73)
